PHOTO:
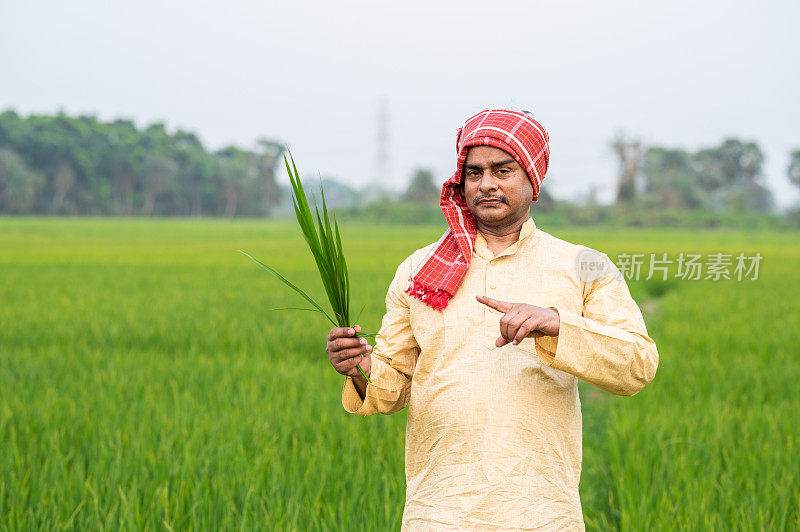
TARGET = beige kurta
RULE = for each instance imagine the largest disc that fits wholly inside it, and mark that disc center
(493, 436)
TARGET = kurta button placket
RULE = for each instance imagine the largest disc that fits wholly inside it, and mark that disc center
(491, 328)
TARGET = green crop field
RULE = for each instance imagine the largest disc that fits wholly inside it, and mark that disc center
(146, 384)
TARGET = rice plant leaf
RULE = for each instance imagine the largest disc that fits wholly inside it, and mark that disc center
(337, 258)
(325, 243)
(290, 285)
(326, 269)
(302, 212)
(322, 241)
(359, 313)
(345, 273)
(363, 374)
(335, 283)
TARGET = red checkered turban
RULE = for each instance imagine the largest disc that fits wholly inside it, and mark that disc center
(440, 274)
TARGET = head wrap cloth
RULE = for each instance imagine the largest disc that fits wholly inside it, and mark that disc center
(439, 275)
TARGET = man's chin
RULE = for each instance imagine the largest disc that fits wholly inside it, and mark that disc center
(491, 215)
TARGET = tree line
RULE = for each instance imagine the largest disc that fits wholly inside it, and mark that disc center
(724, 177)
(59, 164)
(81, 165)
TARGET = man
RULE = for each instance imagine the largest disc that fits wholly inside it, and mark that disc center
(485, 336)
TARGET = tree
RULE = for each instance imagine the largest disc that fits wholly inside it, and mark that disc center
(195, 173)
(81, 165)
(18, 183)
(794, 168)
(732, 173)
(337, 194)
(629, 153)
(159, 176)
(237, 175)
(740, 162)
(124, 165)
(671, 180)
(422, 188)
(63, 181)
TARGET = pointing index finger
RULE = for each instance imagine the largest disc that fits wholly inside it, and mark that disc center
(496, 304)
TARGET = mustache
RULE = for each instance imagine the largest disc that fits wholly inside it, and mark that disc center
(479, 199)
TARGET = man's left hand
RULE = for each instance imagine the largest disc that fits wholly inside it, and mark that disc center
(521, 320)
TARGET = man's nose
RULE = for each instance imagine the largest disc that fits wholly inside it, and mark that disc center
(487, 182)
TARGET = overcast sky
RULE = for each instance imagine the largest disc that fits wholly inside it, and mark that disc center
(678, 74)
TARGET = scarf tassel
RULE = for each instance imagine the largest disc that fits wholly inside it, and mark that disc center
(437, 299)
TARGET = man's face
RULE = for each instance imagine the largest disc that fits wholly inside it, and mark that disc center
(496, 187)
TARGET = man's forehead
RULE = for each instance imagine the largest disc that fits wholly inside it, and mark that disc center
(487, 155)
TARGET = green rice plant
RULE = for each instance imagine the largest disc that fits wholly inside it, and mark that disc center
(236, 441)
(325, 243)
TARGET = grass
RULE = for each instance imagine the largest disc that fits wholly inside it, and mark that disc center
(145, 384)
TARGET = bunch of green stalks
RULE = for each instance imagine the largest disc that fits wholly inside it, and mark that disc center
(325, 243)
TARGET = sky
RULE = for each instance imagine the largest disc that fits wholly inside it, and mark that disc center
(313, 74)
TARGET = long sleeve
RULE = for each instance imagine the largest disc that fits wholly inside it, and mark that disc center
(394, 357)
(608, 345)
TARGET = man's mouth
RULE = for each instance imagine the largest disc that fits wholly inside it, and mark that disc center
(491, 201)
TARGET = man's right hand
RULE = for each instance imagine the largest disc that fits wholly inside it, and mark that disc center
(346, 351)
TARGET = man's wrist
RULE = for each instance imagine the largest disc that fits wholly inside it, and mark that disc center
(360, 384)
(555, 328)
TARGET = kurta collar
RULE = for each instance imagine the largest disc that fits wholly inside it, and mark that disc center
(526, 232)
